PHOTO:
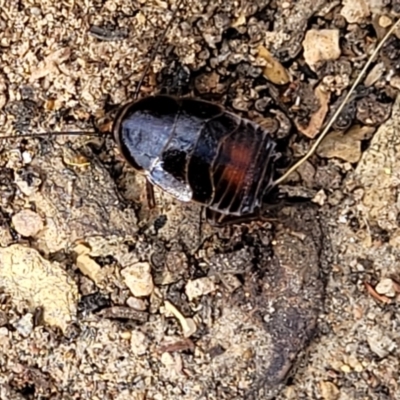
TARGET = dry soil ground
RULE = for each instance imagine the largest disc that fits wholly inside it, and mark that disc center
(102, 298)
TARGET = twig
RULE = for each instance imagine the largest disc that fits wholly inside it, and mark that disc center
(339, 110)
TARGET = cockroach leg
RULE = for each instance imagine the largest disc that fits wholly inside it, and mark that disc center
(219, 220)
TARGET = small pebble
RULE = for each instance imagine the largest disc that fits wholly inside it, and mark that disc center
(355, 364)
(355, 11)
(28, 188)
(26, 157)
(321, 45)
(24, 326)
(139, 343)
(380, 344)
(167, 359)
(126, 335)
(136, 304)
(36, 11)
(384, 21)
(329, 390)
(138, 279)
(386, 287)
(375, 74)
(274, 71)
(320, 198)
(345, 368)
(395, 82)
(189, 327)
(27, 223)
(345, 147)
(199, 287)
(3, 331)
(231, 282)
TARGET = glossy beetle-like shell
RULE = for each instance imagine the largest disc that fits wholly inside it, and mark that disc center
(198, 151)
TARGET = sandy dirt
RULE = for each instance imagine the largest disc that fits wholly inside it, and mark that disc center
(104, 298)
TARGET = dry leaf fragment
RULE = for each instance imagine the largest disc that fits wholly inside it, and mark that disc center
(345, 146)
(241, 20)
(49, 64)
(375, 74)
(274, 71)
(180, 345)
(317, 119)
(90, 268)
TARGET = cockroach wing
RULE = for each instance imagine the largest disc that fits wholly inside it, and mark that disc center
(166, 181)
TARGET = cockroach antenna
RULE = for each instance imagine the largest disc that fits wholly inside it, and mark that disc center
(47, 134)
(142, 77)
(340, 108)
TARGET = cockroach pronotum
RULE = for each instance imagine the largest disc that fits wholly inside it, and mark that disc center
(198, 151)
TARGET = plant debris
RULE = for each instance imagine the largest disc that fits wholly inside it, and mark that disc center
(80, 319)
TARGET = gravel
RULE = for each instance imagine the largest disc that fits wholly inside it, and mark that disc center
(103, 297)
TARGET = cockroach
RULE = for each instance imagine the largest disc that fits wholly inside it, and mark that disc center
(198, 151)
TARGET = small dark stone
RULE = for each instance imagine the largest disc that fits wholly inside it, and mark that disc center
(372, 112)
(108, 32)
(160, 222)
(391, 53)
(93, 302)
(38, 316)
(216, 351)
(3, 318)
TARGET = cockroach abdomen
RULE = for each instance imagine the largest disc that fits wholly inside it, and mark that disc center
(238, 169)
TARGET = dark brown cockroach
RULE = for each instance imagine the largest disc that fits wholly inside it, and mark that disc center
(198, 151)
